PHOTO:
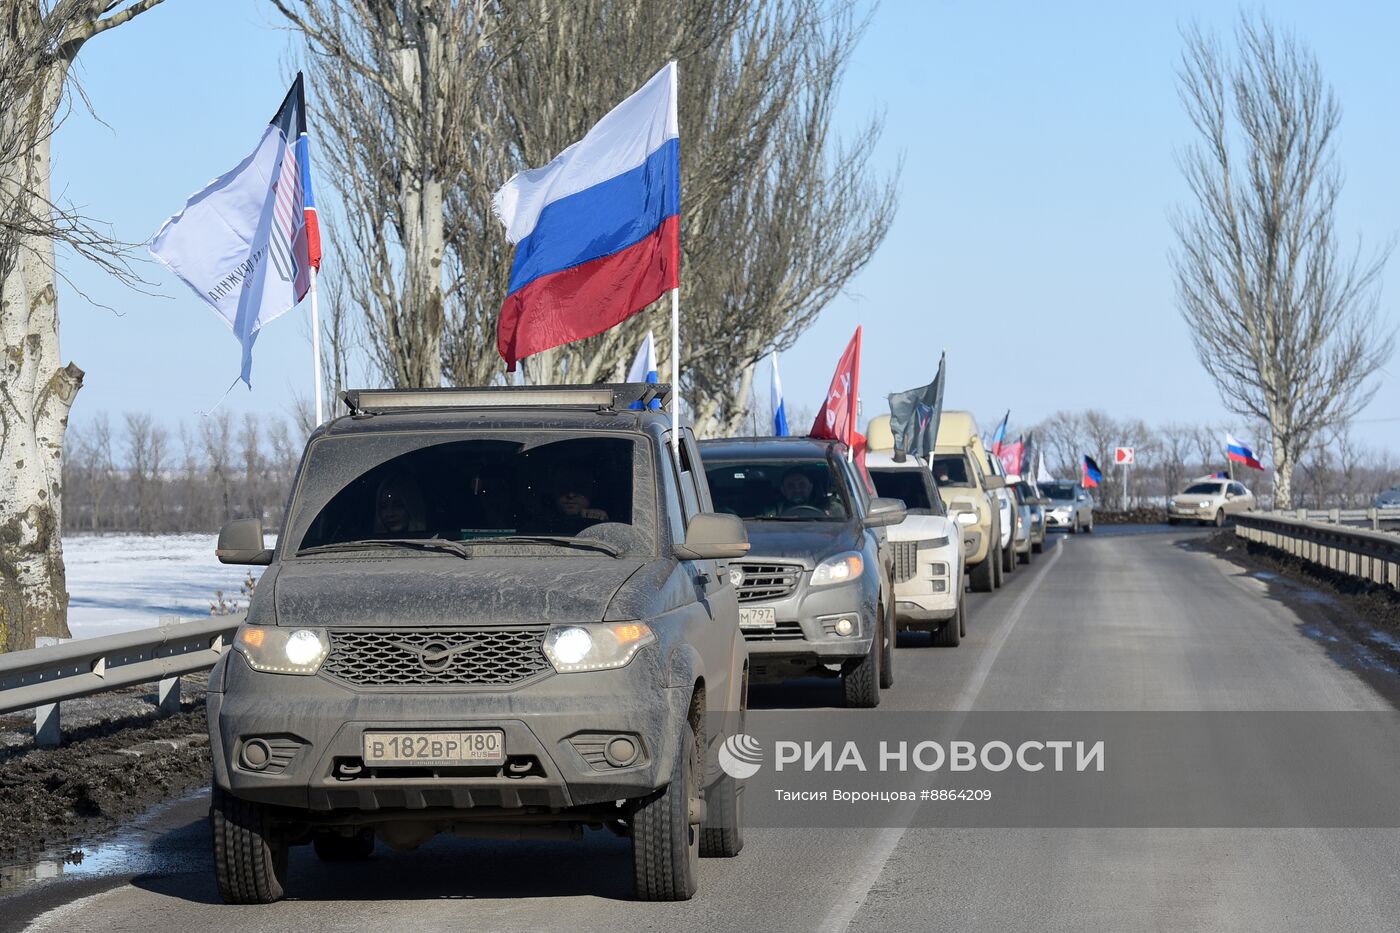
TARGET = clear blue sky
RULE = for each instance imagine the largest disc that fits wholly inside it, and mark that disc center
(1038, 144)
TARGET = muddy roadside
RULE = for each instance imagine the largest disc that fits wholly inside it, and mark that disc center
(119, 758)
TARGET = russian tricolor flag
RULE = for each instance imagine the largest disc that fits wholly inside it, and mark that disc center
(1236, 450)
(597, 230)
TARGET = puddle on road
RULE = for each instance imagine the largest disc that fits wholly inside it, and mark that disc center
(131, 851)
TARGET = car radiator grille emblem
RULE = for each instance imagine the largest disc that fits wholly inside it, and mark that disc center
(391, 658)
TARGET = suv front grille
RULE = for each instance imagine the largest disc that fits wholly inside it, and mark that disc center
(432, 657)
(767, 581)
(906, 560)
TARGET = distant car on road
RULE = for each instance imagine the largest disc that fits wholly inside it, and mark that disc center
(960, 470)
(1035, 506)
(1390, 499)
(1070, 507)
(1209, 502)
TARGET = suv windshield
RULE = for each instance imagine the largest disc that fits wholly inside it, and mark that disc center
(1202, 489)
(779, 490)
(507, 484)
(950, 470)
(1060, 492)
(904, 484)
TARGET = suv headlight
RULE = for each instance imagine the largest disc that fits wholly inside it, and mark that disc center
(275, 650)
(967, 518)
(596, 647)
(839, 569)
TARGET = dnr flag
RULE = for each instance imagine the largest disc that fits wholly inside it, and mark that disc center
(1092, 475)
(247, 243)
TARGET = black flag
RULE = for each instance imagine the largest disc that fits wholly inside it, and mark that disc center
(914, 417)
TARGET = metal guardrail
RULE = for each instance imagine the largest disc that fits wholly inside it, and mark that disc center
(41, 678)
(1357, 552)
(1373, 518)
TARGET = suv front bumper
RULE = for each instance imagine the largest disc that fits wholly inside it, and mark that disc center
(805, 636)
(549, 722)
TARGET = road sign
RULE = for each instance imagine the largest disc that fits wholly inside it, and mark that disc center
(1122, 455)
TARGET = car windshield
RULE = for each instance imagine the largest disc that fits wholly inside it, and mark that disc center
(1060, 492)
(1202, 489)
(522, 486)
(950, 470)
(779, 490)
(908, 485)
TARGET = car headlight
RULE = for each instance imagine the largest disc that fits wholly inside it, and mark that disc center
(1205, 503)
(275, 650)
(967, 518)
(838, 569)
(596, 647)
(1171, 503)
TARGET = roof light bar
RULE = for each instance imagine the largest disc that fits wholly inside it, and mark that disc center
(369, 401)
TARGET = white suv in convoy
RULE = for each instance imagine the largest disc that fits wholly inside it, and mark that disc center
(928, 549)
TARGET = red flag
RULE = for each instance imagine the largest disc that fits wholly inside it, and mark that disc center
(1011, 457)
(836, 419)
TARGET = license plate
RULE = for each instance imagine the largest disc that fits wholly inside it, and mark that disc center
(477, 747)
(758, 617)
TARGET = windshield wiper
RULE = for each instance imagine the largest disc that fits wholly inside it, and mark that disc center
(417, 544)
(594, 544)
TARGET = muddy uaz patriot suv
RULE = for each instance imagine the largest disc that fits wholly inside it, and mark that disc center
(502, 612)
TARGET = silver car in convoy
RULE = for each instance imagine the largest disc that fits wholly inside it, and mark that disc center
(1209, 501)
(1035, 503)
(1071, 507)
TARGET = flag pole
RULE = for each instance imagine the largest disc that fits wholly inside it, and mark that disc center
(316, 351)
(676, 374)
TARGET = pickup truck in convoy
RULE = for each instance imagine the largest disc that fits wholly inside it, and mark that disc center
(505, 611)
(963, 479)
(815, 590)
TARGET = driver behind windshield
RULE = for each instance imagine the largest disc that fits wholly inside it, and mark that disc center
(796, 488)
(571, 499)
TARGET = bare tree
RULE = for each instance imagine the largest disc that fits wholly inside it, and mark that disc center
(39, 42)
(1284, 322)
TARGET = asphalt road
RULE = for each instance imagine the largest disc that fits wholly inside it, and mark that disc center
(1112, 621)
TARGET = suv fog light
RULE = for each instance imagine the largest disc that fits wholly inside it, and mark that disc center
(256, 754)
(620, 752)
(844, 627)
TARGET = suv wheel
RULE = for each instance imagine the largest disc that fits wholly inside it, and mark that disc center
(887, 649)
(950, 635)
(333, 847)
(722, 834)
(250, 854)
(1219, 518)
(1008, 556)
(983, 577)
(665, 843)
(1074, 529)
(999, 558)
(862, 682)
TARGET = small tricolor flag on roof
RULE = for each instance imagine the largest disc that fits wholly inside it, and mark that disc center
(597, 230)
(247, 243)
(1239, 452)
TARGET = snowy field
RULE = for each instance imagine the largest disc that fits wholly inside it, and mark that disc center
(121, 582)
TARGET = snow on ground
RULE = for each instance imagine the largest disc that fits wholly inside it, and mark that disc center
(121, 582)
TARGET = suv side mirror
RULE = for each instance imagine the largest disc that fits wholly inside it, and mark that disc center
(884, 512)
(241, 542)
(1042, 502)
(992, 481)
(712, 536)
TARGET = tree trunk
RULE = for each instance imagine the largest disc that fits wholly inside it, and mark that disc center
(1283, 474)
(35, 397)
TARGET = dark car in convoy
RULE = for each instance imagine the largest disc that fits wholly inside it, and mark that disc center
(489, 611)
(815, 596)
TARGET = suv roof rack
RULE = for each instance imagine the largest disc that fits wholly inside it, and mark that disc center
(600, 397)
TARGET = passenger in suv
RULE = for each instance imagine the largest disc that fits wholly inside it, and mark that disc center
(814, 591)
(502, 610)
